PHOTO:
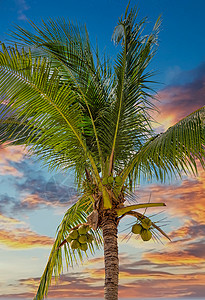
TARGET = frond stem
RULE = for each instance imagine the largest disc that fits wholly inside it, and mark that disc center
(120, 106)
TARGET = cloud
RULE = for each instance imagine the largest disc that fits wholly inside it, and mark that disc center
(70, 285)
(11, 153)
(33, 187)
(135, 281)
(8, 155)
(49, 199)
(184, 198)
(7, 221)
(176, 258)
(9, 170)
(23, 238)
(22, 8)
(190, 230)
(58, 190)
(179, 100)
(16, 234)
(174, 286)
(6, 202)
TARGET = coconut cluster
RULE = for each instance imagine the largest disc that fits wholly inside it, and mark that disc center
(80, 238)
(111, 180)
(143, 228)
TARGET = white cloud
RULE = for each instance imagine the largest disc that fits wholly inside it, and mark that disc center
(22, 7)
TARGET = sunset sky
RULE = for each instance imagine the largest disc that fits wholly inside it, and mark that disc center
(33, 201)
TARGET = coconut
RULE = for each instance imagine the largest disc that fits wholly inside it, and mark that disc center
(83, 229)
(146, 223)
(75, 244)
(90, 238)
(73, 234)
(136, 229)
(146, 235)
(68, 239)
(110, 179)
(104, 181)
(83, 247)
(118, 179)
(82, 239)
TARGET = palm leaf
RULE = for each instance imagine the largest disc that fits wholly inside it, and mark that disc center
(123, 210)
(68, 48)
(34, 93)
(175, 151)
(126, 124)
(75, 215)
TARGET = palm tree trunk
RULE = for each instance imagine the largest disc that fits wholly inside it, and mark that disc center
(109, 226)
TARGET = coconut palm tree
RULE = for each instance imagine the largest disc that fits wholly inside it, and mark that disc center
(75, 110)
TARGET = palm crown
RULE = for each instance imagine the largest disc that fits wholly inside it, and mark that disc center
(75, 110)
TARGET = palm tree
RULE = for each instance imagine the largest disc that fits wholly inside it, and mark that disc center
(74, 110)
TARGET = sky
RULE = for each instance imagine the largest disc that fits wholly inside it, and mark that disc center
(33, 201)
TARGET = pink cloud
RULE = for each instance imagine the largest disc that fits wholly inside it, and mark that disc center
(178, 101)
(9, 170)
(22, 238)
(11, 153)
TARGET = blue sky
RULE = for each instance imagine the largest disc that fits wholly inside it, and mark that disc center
(181, 39)
(33, 201)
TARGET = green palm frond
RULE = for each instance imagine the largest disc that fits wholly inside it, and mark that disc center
(122, 211)
(128, 116)
(68, 48)
(34, 93)
(75, 215)
(173, 152)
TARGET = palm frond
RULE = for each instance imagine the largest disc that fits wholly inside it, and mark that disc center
(173, 152)
(34, 94)
(68, 48)
(75, 215)
(123, 210)
(126, 124)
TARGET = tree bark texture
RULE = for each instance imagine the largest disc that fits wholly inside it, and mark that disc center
(109, 227)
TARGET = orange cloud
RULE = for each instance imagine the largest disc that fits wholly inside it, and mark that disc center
(73, 285)
(5, 221)
(9, 170)
(174, 286)
(173, 258)
(32, 201)
(176, 102)
(142, 284)
(183, 199)
(11, 153)
(22, 238)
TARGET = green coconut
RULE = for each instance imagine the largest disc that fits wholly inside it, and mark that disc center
(110, 179)
(83, 229)
(74, 244)
(136, 229)
(83, 247)
(146, 223)
(118, 179)
(82, 239)
(146, 235)
(73, 234)
(68, 239)
(104, 181)
(90, 238)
